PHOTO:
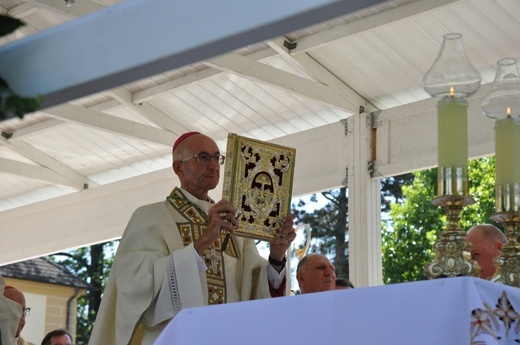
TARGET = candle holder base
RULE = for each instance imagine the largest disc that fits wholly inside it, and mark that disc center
(508, 263)
(453, 200)
(450, 260)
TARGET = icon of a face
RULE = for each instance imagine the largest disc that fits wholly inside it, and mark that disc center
(263, 186)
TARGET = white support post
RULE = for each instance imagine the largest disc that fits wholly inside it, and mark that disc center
(365, 262)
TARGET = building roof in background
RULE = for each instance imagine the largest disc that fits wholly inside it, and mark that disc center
(44, 271)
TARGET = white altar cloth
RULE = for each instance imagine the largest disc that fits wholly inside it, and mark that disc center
(456, 311)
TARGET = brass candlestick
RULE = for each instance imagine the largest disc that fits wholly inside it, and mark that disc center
(508, 207)
(451, 80)
(508, 263)
(503, 104)
(450, 260)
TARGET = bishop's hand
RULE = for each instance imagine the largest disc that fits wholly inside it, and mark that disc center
(284, 236)
(221, 217)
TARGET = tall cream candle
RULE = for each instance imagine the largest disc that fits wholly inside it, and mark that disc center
(507, 151)
(452, 119)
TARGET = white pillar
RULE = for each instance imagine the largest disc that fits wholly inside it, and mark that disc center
(365, 262)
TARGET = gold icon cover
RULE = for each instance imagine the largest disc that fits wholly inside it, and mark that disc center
(258, 180)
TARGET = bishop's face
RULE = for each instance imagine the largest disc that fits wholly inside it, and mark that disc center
(196, 176)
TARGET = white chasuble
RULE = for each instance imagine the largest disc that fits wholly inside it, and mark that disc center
(156, 254)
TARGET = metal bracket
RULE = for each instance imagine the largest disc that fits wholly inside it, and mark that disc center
(372, 119)
(289, 45)
(371, 167)
(372, 171)
(7, 135)
(345, 180)
(345, 125)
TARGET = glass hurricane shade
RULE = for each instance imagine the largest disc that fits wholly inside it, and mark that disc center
(452, 73)
(505, 92)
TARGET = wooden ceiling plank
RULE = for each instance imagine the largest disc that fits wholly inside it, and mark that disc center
(317, 71)
(23, 10)
(148, 111)
(111, 123)
(265, 74)
(352, 28)
(34, 172)
(190, 79)
(75, 179)
(35, 129)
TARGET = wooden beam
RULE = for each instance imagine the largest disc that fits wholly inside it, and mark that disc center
(265, 74)
(321, 74)
(148, 111)
(72, 60)
(48, 164)
(111, 123)
(34, 172)
(100, 214)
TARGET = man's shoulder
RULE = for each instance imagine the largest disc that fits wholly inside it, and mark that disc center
(152, 208)
(147, 217)
(150, 212)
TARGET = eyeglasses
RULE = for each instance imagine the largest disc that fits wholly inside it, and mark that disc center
(204, 158)
(26, 311)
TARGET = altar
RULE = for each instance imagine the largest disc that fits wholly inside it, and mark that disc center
(463, 310)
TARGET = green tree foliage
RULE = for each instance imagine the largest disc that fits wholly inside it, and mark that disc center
(392, 190)
(91, 264)
(330, 224)
(329, 227)
(407, 245)
(415, 224)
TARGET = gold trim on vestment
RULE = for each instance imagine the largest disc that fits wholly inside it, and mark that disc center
(193, 228)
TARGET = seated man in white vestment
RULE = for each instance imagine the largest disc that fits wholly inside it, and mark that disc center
(174, 254)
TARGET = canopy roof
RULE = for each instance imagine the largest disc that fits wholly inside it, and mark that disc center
(122, 81)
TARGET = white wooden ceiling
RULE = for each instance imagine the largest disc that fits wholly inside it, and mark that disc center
(74, 171)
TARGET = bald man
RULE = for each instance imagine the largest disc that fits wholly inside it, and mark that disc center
(315, 273)
(487, 241)
(17, 296)
(10, 314)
